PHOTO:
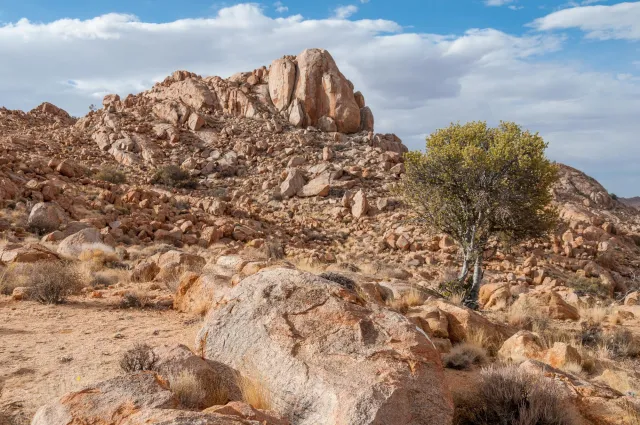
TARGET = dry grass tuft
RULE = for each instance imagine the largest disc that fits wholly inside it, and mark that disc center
(254, 390)
(411, 298)
(595, 314)
(194, 393)
(508, 395)
(464, 355)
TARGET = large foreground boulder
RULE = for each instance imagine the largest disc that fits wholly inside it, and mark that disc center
(326, 357)
(143, 398)
(109, 402)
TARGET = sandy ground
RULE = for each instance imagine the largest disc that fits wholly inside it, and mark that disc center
(47, 351)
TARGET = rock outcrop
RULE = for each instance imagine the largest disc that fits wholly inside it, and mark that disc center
(324, 356)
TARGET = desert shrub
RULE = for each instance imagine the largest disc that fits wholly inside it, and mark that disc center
(590, 334)
(174, 176)
(341, 280)
(620, 343)
(453, 289)
(134, 299)
(52, 282)
(508, 395)
(588, 286)
(196, 393)
(111, 175)
(464, 355)
(140, 357)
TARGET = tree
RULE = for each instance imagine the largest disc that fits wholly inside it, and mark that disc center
(476, 184)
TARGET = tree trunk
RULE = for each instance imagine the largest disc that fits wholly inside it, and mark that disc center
(465, 268)
(471, 300)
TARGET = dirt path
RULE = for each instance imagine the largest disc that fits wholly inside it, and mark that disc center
(47, 351)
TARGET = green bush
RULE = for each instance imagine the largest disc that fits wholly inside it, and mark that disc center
(111, 175)
(174, 176)
(588, 286)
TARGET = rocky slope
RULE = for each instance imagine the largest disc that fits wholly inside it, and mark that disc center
(282, 165)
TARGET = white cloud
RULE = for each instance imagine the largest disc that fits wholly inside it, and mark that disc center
(414, 82)
(344, 12)
(497, 2)
(280, 7)
(618, 21)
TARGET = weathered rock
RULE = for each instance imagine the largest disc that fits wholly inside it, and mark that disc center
(109, 402)
(323, 91)
(521, 346)
(549, 303)
(494, 296)
(293, 183)
(175, 360)
(196, 122)
(431, 319)
(325, 358)
(47, 217)
(366, 119)
(245, 411)
(389, 142)
(561, 355)
(29, 253)
(74, 245)
(282, 79)
(360, 205)
(145, 271)
(462, 321)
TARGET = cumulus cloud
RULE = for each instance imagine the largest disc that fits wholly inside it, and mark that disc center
(414, 82)
(280, 7)
(344, 12)
(618, 21)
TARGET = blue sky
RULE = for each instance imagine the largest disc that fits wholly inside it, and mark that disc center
(570, 70)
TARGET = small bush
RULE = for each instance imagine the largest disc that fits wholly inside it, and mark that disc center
(174, 176)
(194, 393)
(590, 334)
(140, 357)
(621, 343)
(341, 280)
(588, 286)
(52, 282)
(465, 355)
(111, 175)
(511, 396)
(134, 299)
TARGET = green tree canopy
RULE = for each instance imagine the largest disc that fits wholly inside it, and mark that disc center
(475, 183)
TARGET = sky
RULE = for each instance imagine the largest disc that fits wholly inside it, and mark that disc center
(569, 70)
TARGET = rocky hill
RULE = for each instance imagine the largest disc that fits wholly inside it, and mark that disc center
(632, 202)
(282, 166)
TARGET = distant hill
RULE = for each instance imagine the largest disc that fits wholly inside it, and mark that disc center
(632, 202)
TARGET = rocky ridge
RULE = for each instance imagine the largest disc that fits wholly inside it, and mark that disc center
(284, 167)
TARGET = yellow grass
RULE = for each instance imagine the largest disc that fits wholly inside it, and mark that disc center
(194, 393)
(254, 389)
